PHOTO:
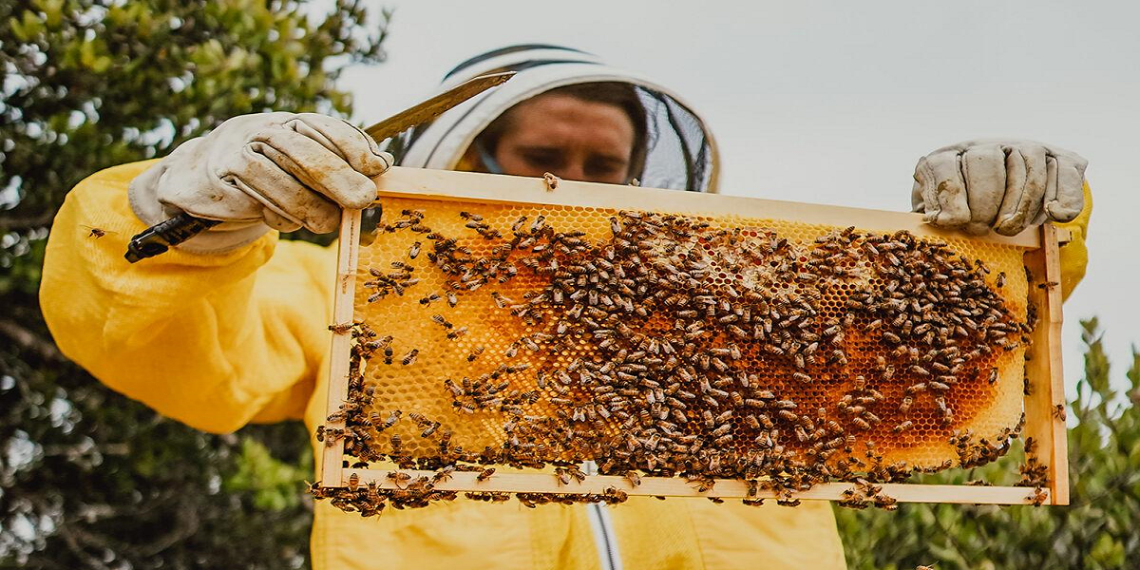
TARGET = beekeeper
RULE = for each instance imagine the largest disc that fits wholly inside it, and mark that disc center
(232, 327)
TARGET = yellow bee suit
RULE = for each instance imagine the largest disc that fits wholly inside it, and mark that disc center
(219, 341)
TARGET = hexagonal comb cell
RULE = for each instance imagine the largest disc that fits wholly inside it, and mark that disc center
(680, 345)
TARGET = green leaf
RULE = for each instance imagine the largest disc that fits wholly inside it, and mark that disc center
(1108, 552)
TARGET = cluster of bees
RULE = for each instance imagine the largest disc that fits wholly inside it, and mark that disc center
(713, 353)
(370, 500)
(865, 494)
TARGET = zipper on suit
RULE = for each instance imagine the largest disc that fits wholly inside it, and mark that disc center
(603, 526)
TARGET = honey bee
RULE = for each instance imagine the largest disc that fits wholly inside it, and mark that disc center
(439, 320)
(456, 333)
(443, 474)
(904, 426)
(710, 421)
(501, 301)
(391, 420)
(94, 232)
(550, 180)
(475, 353)
(1059, 412)
(399, 478)
(632, 476)
(538, 224)
(576, 473)
(353, 482)
(888, 372)
(453, 387)
(907, 402)
(414, 250)
(410, 358)
(839, 357)
(562, 475)
(485, 474)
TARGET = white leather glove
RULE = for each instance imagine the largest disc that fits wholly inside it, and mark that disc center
(262, 171)
(1006, 185)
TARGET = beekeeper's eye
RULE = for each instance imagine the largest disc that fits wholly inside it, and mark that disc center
(604, 167)
(544, 158)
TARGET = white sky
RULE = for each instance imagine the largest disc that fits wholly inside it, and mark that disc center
(833, 102)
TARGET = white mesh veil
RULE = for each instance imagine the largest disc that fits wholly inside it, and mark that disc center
(681, 152)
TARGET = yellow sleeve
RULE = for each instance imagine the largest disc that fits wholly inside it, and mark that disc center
(214, 341)
(1075, 254)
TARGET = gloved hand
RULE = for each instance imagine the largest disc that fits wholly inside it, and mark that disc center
(1004, 184)
(262, 171)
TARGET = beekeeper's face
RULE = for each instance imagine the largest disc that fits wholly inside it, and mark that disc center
(568, 137)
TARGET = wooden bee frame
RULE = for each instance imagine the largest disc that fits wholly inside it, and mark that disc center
(1042, 422)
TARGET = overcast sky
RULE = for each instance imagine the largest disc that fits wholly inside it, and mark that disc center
(833, 102)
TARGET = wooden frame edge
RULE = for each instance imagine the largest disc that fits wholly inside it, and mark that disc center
(453, 185)
(468, 481)
(1045, 405)
(348, 249)
(1059, 451)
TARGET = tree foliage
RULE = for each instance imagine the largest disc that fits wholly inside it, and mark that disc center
(1096, 531)
(89, 478)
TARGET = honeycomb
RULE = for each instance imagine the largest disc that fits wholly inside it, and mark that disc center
(693, 345)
